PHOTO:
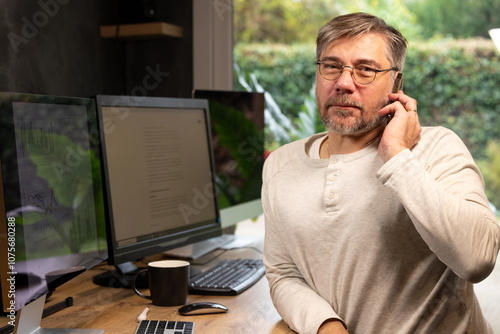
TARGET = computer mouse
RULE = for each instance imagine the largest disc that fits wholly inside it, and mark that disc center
(202, 308)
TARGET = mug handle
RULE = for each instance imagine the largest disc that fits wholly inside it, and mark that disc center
(139, 273)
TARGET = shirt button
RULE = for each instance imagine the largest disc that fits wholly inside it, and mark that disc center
(333, 161)
(330, 195)
(332, 178)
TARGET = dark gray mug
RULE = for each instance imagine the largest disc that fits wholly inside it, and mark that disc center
(168, 282)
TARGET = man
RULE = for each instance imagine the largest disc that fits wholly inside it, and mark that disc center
(375, 226)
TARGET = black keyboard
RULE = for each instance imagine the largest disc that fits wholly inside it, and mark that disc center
(228, 277)
(165, 327)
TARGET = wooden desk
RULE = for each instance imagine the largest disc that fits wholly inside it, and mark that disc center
(116, 310)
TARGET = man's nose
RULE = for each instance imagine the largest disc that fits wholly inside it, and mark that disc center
(345, 81)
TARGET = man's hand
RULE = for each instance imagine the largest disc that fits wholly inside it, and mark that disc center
(403, 131)
(332, 326)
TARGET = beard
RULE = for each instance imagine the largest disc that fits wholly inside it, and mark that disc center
(342, 121)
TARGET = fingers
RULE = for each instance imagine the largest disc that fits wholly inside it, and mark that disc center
(406, 101)
(403, 131)
(400, 103)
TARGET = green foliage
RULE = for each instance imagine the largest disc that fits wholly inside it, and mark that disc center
(490, 166)
(289, 21)
(394, 12)
(298, 21)
(455, 18)
(281, 21)
(456, 85)
(308, 122)
(280, 68)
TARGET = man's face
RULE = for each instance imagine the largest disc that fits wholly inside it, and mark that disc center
(345, 106)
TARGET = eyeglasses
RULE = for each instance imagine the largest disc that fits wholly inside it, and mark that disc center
(363, 74)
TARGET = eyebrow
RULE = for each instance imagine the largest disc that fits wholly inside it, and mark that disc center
(365, 61)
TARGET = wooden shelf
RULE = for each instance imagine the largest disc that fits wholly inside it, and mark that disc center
(141, 31)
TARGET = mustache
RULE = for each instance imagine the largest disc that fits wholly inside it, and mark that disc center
(343, 100)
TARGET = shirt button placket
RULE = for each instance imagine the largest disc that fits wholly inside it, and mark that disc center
(331, 185)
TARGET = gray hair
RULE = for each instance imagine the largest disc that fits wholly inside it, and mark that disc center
(357, 24)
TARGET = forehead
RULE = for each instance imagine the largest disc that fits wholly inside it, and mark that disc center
(353, 50)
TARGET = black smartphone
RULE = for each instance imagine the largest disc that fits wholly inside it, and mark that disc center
(398, 85)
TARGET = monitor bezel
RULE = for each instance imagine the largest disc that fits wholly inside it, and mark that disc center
(133, 252)
(7, 114)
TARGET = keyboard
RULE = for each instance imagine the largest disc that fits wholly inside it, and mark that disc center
(228, 277)
(198, 249)
(165, 327)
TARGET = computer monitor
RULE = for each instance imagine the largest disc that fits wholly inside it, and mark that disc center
(238, 143)
(51, 204)
(158, 167)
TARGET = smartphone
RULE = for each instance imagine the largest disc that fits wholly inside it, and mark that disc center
(398, 85)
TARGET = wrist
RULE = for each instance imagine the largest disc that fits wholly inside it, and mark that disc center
(332, 326)
(387, 153)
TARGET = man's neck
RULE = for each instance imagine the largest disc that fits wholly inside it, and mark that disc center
(344, 144)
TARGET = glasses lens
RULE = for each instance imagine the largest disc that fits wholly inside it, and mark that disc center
(363, 74)
(330, 70)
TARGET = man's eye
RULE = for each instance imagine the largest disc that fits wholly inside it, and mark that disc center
(365, 69)
(332, 66)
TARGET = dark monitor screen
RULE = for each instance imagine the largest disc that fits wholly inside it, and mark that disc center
(158, 167)
(51, 202)
(238, 143)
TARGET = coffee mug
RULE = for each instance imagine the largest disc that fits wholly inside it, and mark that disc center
(168, 282)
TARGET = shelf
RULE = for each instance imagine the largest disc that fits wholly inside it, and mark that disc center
(141, 31)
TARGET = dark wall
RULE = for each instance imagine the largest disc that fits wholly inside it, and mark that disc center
(54, 47)
(168, 60)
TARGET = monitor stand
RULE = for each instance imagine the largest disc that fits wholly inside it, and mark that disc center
(122, 277)
(29, 318)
